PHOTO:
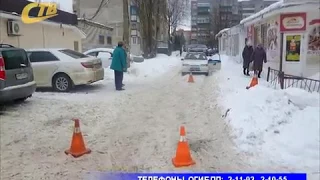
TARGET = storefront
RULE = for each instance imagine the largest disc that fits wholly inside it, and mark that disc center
(299, 24)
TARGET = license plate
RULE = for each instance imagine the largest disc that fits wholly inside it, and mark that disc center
(22, 76)
(195, 68)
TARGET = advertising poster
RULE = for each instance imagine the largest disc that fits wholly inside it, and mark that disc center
(250, 30)
(273, 50)
(293, 22)
(293, 43)
(313, 54)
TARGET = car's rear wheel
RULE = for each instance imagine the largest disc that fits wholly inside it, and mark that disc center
(20, 100)
(62, 83)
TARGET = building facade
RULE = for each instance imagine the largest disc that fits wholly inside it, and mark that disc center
(201, 21)
(57, 32)
(108, 13)
(226, 13)
(247, 8)
(91, 28)
(135, 37)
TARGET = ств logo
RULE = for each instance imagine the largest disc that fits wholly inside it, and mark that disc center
(46, 11)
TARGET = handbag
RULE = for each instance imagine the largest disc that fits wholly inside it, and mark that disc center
(251, 66)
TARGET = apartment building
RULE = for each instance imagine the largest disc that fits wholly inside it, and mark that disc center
(226, 13)
(249, 7)
(201, 21)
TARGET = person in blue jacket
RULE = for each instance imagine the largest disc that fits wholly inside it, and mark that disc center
(119, 65)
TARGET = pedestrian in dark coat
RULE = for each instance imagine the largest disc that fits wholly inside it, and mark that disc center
(246, 55)
(258, 57)
(119, 65)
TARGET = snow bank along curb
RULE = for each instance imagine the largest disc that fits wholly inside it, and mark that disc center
(150, 68)
(282, 125)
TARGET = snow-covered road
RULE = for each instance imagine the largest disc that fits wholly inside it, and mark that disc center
(133, 130)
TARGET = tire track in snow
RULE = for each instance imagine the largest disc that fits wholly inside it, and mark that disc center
(146, 133)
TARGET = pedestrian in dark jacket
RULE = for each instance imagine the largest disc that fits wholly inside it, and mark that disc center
(258, 57)
(119, 65)
(246, 55)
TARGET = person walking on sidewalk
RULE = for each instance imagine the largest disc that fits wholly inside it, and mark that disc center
(246, 55)
(119, 65)
(258, 57)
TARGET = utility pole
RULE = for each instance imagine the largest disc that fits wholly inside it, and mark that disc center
(126, 29)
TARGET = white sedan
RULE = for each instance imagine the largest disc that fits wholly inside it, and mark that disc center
(62, 69)
(105, 54)
(195, 62)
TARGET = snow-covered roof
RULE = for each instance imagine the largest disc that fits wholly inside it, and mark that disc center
(268, 9)
(278, 5)
(222, 31)
(95, 23)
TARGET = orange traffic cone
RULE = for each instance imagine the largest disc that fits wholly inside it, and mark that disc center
(183, 156)
(254, 82)
(77, 148)
(190, 80)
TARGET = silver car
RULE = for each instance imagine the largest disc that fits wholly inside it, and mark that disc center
(16, 74)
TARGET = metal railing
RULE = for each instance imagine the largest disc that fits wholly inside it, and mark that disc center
(276, 77)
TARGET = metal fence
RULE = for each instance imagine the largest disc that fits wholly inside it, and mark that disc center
(279, 78)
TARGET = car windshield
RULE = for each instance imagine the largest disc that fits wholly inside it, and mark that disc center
(73, 54)
(196, 56)
(197, 46)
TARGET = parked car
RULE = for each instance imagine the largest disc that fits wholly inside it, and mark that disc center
(195, 62)
(105, 54)
(198, 48)
(16, 75)
(62, 69)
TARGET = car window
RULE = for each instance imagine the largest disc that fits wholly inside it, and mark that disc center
(196, 56)
(105, 54)
(202, 46)
(15, 59)
(42, 56)
(93, 54)
(73, 54)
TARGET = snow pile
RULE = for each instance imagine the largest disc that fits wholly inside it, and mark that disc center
(281, 125)
(150, 68)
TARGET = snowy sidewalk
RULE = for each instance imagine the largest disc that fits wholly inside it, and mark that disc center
(281, 126)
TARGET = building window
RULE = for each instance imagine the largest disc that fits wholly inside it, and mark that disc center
(133, 11)
(134, 18)
(134, 26)
(109, 40)
(101, 39)
(134, 32)
(134, 40)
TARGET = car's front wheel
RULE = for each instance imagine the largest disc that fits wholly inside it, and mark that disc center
(62, 83)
